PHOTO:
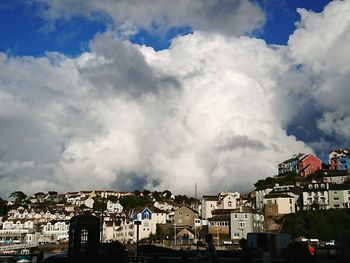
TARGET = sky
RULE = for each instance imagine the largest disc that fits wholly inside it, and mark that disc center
(162, 94)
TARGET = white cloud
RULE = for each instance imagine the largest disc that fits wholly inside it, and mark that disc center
(125, 116)
(211, 109)
(321, 45)
(228, 16)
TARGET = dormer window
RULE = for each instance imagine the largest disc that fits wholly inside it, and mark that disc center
(310, 186)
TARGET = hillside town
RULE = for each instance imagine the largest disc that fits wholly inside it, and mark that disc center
(303, 183)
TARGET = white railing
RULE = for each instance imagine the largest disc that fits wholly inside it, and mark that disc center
(18, 246)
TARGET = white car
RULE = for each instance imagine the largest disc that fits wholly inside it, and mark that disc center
(330, 243)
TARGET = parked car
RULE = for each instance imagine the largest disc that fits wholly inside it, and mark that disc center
(330, 243)
(299, 252)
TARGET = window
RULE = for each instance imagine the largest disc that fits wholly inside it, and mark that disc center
(290, 201)
(84, 240)
(245, 216)
(236, 216)
(229, 204)
(241, 225)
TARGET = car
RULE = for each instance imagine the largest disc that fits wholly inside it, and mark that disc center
(330, 243)
(299, 252)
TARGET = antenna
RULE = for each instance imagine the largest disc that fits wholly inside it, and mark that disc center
(195, 190)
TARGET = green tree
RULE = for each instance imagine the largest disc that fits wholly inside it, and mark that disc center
(128, 202)
(99, 205)
(19, 196)
(321, 224)
(146, 192)
(3, 207)
(167, 194)
(113, 198)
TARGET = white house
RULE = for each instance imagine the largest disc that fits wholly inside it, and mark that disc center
(149, 217)
(125, 231)
(114, 207)
(315, 194)
(339, 195)
(56, 230)
(225, 200)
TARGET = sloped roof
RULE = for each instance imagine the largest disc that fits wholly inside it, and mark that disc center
(210, 197)
(245, 209)
(194, 211)
(345, 186)
(222, 217)
(277, 195)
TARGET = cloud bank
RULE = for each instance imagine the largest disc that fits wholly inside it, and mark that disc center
(213, 109)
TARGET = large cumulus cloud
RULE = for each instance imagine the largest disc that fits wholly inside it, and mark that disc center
(212, 109)
(126, 116)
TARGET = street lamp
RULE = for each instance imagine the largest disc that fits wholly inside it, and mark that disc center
(137, 223)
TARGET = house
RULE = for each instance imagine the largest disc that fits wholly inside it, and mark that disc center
(308, 164)
(225, 200)
(276, 201)
(208, 205)
(125, 231)
(279, 204)
(89, 202)
(336, 176)
(184, 216)
(55, 230)
(114, 207)
(339, 195)
(315, 195)
(244, 220)
(339, 159)
(219, 227)
(149, 216)
(185, 236)
(51, 196)
(259, 198)
(228, 200)
(302, 164)
(290, 165)
(165, 206)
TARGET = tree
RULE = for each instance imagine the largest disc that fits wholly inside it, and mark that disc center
(128, 202)
(19, 196)
(181, 199)
(113, 198)
(3, 207)
(167, 194)
(146, 192)
(99, 205)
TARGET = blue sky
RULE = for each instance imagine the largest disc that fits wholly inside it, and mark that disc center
(26, 32)
(136, 93)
